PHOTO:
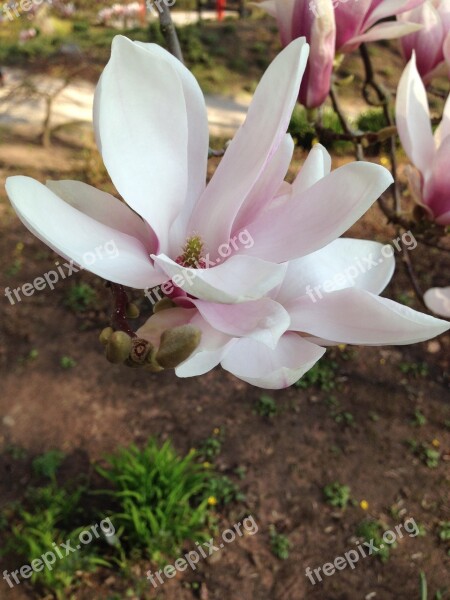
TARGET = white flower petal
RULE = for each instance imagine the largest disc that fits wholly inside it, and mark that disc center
(343, 263)
(263, 320)
(141, 115)
(438, 301)
(354, 316)
(238, 279)
(316, 166)
(319, 215)
(413, 118)
(96, 246)
(254, 144)
(258, 365)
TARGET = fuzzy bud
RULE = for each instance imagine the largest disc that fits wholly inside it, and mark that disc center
(177, 345)
(118, 347)
(105, 335)
(163, 304)
(132, 311)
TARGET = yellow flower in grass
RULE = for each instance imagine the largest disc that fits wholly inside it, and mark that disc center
(364, 504)
(212, 501)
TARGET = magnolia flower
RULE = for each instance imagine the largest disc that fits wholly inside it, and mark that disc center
(332, 26)
(297, 18)
(250, 305)
(438, 301)
(430, 180)
(330, 296)
(431, 43)
(357, 22)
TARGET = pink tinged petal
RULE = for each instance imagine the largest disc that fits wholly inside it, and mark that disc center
(442, 132)
(389, 8)
(320, 33)
(427, 42)
(354, 316)
(343, 263)
(268, 185)
(162, 320)
(383, 31)
(443, 219)
(436, 190)
(256, 141)
(258, 365)
(238, 279)
(316, 166)
(212, 348)
(263, 320)
(282, 11)
(104, 250)
(413, 118)
(349, 20)
(198, 143)
(438, 301)
(318, 216)
(105, 209)
(143, 126)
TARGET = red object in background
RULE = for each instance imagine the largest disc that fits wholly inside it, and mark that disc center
(220, 6)
(142, 11)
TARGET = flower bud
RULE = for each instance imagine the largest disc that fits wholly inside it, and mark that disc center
(105, 335)
(163, 304)
(132, 311)
(140, 349)
(177, 345)
(118, 347)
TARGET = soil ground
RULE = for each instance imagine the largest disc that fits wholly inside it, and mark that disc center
(288, 458)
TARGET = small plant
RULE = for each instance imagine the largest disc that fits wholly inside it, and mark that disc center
(414, 369)
(373, 530)
(344, 418)
(210, 447)
(444, 531)
(46, 465)
(46, 519)
(67, 362)
(279, 544)
(336, 494)
(266, 406)
(80, 297)
(322, 374)
(419, 419)
(427, 454)
(224, 490)
(161, 498)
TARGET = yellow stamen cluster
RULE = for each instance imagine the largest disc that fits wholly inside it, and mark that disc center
(192, 252)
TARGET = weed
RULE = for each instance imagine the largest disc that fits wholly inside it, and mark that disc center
(279, 544)
(322, 374)
(162, 498)
(67, 362)
(266, 406)
(337, 494)
(373, 530)
(80, 297)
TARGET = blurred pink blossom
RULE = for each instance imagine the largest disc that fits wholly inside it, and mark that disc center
(430, 180)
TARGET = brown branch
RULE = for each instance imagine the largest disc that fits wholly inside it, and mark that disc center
(118, 316)
(169, 32)
(353, 136)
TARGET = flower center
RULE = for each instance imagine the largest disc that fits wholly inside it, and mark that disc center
(192, 253)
